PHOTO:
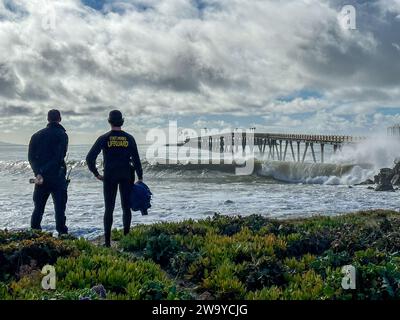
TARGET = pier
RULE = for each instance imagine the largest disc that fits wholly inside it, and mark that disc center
(280, 147)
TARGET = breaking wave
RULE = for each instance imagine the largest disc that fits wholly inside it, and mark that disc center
(315, 173)
(289, 172)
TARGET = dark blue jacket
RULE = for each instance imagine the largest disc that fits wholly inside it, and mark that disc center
(140, 197)
(47, 150)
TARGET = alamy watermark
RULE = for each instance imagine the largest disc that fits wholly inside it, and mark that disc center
(204, 147)
(44, 13)
(49, 279)
(349, 278)
(347, 17)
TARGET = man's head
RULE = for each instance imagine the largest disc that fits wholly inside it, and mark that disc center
(54, 116)
(115, 118)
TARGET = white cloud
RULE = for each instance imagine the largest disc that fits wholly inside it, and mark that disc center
(168, 57)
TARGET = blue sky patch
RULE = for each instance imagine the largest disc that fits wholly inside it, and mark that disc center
(120, 7)
(95, 4)
(303, 94)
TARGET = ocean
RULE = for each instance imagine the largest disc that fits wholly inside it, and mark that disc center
(275, 189)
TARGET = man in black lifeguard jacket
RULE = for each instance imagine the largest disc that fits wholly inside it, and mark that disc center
(47, 151)
(121, 160)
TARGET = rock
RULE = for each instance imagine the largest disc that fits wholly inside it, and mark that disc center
(382, 187)
(206, 296)
(366, 182)
(385, 177)
(100, 291)
(396, 173)
(370, 188)
(350, 187)
(228, 202)
(396, 180)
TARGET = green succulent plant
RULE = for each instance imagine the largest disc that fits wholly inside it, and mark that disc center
(229, 257)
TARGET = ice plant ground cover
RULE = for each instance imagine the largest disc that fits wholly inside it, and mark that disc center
(222, 257)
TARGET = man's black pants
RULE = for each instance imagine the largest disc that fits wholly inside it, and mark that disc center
(110, 193)
(57, 188)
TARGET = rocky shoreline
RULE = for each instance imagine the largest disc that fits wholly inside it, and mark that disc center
(386, 180)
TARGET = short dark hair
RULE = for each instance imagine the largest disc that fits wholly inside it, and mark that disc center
(54, 116)
(115, 118)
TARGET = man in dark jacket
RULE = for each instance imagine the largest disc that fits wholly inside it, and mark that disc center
(47, 150)
(121, 160)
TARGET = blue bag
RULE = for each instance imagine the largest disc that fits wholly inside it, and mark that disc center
(140, 198)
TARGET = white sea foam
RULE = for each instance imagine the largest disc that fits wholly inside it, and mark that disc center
(379, 151)
(316, 173)
(353, 165)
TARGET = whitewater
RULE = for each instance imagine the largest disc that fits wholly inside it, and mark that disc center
(183, 191)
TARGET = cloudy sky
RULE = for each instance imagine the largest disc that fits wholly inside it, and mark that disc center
(278, 65)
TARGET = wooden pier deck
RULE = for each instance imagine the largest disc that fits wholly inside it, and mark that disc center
(281, 147)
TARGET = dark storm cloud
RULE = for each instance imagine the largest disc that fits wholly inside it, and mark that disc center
(99, 109)
(34, 92)
(11, 111)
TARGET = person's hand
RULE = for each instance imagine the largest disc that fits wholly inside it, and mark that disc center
(100, 177)
(39, 180)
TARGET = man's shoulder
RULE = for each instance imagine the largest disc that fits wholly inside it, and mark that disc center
(39, 133)
(129, 136)
(48, 132)
(57, 131)
(62, 132)
(105, 135)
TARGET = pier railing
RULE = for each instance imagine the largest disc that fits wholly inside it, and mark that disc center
(327, 139)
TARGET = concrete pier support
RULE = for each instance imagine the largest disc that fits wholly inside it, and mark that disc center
(298, 151)
(291, 147)
(233, 143)
(313, 152)
(322, 153)
(199, 139)
(210, 149)
(277, 151)
(305, 152)
(244, 141)
(221, 149)
(286, 147)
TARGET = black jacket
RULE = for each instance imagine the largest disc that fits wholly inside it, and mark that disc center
(47, 150)
(120, 156)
